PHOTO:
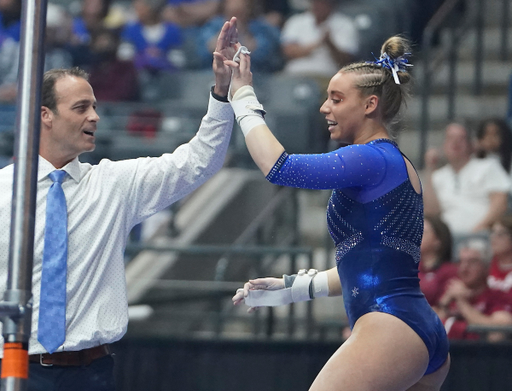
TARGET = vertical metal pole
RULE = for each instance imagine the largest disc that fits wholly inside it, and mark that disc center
(16, 330)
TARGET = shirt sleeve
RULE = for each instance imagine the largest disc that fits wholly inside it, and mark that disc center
(352, 166)
(151, 184)
(496, 178)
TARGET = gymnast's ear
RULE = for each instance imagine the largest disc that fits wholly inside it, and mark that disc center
(371, 102)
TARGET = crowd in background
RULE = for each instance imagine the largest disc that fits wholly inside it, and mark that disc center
(466, 254)
(122, 42)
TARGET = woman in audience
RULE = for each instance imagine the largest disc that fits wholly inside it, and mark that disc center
(494, 139)
(500, 274)
(436, 253)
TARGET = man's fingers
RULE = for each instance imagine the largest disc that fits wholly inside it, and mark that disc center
(224, 37)
(232, 31)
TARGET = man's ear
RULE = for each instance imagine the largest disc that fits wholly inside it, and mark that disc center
(372, 102)
(46, 116)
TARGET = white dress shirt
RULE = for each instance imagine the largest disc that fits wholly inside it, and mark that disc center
(464, 196)
(104, 202)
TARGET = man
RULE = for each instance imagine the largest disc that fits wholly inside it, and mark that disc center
(468, 300)
(319, 42)
(468, 193)
(103, 203)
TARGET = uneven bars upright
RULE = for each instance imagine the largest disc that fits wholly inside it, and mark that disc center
(16, 309)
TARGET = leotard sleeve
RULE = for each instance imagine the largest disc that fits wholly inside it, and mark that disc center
(351, 166)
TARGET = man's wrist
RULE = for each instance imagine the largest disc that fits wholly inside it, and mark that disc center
(220, 93)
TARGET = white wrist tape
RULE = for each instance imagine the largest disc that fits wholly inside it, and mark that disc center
(320, 285)
(299, 291)
(248, 110)
(236, 58)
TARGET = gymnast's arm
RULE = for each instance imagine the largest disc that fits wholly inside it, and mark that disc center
(357, 165)
(272, 283)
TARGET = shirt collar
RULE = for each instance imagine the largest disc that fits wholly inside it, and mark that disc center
(45, 168)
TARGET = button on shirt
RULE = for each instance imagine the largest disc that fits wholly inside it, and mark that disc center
(104, 202)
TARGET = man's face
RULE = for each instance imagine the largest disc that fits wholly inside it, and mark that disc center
(472, 268)
(456, 143)
(322, 9)
(71, 129)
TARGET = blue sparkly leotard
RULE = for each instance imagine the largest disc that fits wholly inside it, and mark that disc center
(375, 218)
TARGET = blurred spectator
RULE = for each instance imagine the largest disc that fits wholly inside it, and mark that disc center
(494, 140)
(148, 41)
(94, 14)
(112, 79)
(58, 35)
(468, 300)
(261, 38)
(9, 63)
(92, 17)
(10, 19)
(500, 275)
(190, 13)
(435, 267)
(320, 41)
(469, 194)
(58, 29)
(275, 11)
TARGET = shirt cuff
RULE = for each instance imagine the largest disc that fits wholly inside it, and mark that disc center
(218, 97)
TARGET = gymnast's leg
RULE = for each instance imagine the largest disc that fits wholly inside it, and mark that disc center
(382, 353)
(433, 381)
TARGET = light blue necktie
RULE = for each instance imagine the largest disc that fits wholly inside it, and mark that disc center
(52, 306)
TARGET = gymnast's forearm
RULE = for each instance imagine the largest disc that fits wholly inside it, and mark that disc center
(334, 282)
(264, 148)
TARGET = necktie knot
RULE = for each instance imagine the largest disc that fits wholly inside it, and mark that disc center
(57, 175)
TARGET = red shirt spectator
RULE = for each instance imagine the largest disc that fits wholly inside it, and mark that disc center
(435, 268)
(487, 303)
(433, 282)
(500, 274)
(469, 301)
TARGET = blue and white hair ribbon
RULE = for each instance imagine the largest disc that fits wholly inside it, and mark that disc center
(398, 64)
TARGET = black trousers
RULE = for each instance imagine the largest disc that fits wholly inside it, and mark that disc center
(98, 376)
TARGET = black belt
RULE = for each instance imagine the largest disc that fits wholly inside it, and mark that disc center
(72, 358)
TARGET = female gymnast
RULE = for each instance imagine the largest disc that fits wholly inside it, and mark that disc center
(375, 217)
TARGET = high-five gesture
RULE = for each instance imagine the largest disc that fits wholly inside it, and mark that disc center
(227, 45)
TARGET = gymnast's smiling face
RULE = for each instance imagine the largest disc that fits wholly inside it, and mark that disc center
(345, 108)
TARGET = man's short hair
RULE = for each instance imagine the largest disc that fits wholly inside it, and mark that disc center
(48, 96)
(478, 243)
